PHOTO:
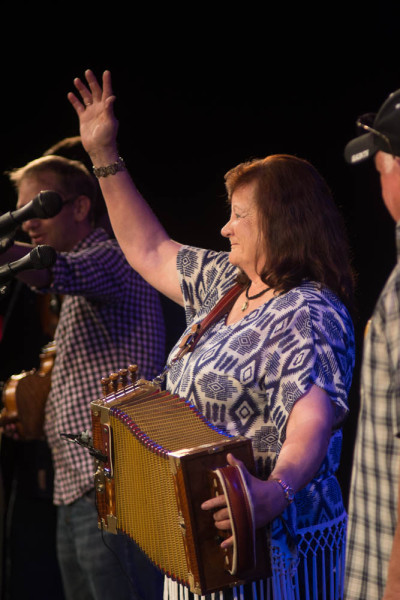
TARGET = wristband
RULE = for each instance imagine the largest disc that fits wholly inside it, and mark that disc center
(287, 490)
(119, 165)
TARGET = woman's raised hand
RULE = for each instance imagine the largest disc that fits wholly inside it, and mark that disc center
(98, 125)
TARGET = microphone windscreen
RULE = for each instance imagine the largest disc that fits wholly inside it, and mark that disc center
(43, 257)
(49, 204)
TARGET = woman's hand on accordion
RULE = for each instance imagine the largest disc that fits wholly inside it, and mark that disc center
(308, 433)
(266, 497)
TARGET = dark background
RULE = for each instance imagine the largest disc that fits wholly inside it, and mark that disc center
(202, 88)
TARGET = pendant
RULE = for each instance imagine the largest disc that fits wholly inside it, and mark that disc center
(245, 305)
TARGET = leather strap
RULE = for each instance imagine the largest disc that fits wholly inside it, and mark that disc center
(223, 306)
(242, 557)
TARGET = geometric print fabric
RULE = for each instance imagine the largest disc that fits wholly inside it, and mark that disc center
(246, 377)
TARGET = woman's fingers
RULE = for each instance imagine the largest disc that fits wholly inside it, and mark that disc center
(235, 462)
(86, 95)
(96, 91)
(223, 523)
(101, 99)
(214, 503)
(107, 87)
(218, 505)
(221, 517)
(76, 103)
(228, 542)
(221, 513)
(91, 92)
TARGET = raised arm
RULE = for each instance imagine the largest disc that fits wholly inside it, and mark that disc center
(141, 236)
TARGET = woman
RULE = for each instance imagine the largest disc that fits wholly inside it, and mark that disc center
(277, 368)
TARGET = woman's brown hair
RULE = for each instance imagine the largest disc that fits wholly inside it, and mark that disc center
(304, 232)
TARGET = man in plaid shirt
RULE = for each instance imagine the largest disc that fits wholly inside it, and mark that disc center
(373, 551)
(110, 318)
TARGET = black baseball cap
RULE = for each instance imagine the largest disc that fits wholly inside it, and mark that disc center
(383, 132)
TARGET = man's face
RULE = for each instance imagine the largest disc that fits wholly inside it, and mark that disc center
(60, 231)
(388, 168)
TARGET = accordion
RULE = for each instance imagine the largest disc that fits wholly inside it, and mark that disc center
(157, 460)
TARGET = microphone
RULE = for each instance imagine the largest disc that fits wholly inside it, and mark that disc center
(43, 206)
(41, 257)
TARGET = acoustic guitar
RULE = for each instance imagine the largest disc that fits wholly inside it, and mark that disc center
(24, 397)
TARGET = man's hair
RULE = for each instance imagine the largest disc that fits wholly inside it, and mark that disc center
(70, 147)
(73, 178)
(303, 231)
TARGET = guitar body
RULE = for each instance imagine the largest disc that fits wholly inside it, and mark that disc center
(24, 397)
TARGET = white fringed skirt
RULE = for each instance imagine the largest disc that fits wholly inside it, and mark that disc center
(316, 574)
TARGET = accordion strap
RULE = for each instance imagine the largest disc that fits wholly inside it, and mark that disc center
(190, 340)
(223, 306)
(241, 514)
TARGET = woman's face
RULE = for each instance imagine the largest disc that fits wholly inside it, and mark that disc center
(244, 233)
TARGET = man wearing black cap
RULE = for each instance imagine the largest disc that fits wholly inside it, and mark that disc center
(373, 550)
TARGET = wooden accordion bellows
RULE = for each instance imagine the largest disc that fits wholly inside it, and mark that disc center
(161, 460)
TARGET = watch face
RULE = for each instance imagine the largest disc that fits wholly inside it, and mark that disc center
(290, 495)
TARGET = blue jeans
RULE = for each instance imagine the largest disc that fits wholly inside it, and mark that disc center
(97, 565)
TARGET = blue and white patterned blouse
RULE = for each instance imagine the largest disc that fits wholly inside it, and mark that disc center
(246, 377)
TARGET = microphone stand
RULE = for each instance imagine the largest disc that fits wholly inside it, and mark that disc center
(85, 440)
(5, 243)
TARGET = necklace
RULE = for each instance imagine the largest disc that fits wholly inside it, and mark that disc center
(246, 302)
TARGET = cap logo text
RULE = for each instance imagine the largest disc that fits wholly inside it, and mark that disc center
(360, 156)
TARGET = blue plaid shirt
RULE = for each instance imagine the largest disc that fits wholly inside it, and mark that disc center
(110, 318)
(376, 466)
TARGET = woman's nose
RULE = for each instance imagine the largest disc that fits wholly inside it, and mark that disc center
(226, 230)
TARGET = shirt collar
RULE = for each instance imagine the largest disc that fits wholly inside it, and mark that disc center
(95, 236)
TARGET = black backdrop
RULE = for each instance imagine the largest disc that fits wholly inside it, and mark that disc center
(197, 93)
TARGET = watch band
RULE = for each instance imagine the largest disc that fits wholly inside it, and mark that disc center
(118, 165)
(287, 490)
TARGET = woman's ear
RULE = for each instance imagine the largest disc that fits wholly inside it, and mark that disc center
(82, 206)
